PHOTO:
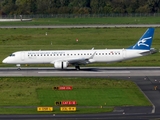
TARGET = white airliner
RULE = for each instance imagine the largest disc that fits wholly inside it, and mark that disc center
(63, 58)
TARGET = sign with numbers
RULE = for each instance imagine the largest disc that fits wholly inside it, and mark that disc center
(45, 109)
(68, 102)
(68, 108)
(65, 88)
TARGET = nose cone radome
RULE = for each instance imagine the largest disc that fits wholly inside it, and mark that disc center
(4, 61)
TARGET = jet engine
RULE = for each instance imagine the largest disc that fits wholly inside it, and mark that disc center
(61, 64)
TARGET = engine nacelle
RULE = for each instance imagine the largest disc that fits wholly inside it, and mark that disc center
(61, 64)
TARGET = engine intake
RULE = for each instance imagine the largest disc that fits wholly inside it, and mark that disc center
(61, 64)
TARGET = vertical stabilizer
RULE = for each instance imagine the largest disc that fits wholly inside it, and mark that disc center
(145, 42)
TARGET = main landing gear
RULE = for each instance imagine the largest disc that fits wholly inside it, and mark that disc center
(18, 66)
(77, 67)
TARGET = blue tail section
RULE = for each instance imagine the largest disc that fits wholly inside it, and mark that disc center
(145, 42)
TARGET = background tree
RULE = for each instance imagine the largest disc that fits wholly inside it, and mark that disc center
(29, 7)
(153, 5)
(8, 7)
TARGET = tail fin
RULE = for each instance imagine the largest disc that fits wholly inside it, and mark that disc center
(145, 42)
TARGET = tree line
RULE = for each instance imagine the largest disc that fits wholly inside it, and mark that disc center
(30, 7)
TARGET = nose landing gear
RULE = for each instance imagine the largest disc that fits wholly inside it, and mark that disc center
(18, 66)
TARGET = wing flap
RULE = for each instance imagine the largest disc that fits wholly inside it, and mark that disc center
(73, 61)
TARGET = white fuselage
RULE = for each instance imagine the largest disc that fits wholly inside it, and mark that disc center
(103, 55)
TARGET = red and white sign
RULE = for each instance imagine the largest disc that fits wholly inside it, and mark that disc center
(65, 88)
(68, 102)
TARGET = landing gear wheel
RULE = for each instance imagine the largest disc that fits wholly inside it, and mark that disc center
(77, 67)
(19, 68)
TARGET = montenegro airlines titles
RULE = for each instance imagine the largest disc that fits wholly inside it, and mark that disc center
(63, 58)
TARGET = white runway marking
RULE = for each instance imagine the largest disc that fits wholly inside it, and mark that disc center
(11, 74)
(85, 72)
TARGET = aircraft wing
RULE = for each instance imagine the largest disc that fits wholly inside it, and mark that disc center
(73, 61)
(77, 61)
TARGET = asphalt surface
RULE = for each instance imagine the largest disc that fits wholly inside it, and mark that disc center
(147, 78)
(150, 86)
(103, 116)
(84, 72)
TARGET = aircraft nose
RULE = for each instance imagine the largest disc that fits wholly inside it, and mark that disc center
(4, 61)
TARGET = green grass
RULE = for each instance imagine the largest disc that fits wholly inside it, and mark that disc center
(92, 97)
(12, 40)
(96, 92)
(96, 20)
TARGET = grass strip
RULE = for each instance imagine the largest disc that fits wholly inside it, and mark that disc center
(55, 111)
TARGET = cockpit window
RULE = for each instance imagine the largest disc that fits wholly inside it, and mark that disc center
(12, 55)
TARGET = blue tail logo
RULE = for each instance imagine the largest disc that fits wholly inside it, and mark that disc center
(145, 42)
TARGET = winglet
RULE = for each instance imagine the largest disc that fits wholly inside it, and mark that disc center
(91, 57)
(145, 42)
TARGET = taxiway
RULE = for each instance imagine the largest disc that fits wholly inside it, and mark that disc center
(86, 26)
